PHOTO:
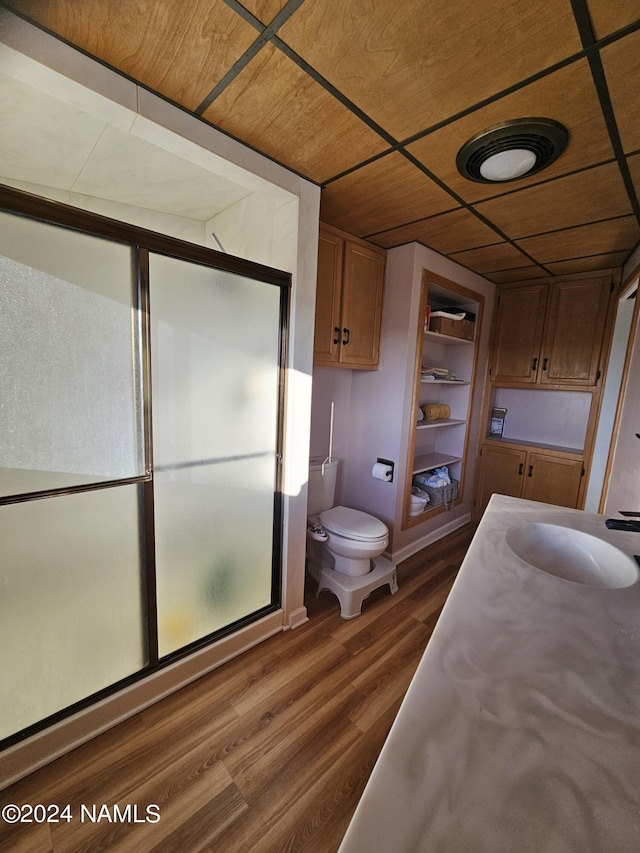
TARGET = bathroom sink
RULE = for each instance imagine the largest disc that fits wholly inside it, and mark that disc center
(572, 555)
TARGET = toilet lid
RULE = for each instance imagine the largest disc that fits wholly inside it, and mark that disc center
(353, 524)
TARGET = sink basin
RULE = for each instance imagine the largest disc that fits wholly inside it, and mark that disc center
(572, 555)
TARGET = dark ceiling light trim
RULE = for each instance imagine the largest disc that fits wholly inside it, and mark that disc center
(511, 150)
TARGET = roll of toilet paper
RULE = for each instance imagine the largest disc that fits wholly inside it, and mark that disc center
(381, 471)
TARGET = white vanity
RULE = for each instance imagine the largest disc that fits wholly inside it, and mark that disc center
(521, 727)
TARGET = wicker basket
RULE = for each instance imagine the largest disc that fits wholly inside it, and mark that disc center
(442, 495)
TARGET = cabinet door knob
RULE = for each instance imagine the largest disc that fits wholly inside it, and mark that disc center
(336, 331)
(530, 471)
(534, 364)
(347, 335)
(545, 364)
(520, 468)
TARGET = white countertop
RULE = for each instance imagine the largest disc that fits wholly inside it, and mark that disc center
(521, 728)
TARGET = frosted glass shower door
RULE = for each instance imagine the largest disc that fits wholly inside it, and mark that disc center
(215, 344)
(70, 410)
(72, 583)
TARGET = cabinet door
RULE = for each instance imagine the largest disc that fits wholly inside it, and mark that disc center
(552, 480)
(362, 291)
(518, 334)
(328, 330)
(501, 472)
(574, 334)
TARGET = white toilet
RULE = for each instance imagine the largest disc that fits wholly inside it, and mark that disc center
(344, 546)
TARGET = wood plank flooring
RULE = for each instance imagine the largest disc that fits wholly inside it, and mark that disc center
(269, 753)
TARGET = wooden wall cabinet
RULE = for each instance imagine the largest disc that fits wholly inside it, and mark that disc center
(550, 339)
(348, 301)
(547, 476)
(550, 334)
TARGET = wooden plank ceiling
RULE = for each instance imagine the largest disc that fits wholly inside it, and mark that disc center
(372, 100)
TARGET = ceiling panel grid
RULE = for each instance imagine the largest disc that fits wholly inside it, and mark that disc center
(372, 100)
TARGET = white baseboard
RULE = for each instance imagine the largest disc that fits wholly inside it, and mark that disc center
(430, 538)
(296, 618)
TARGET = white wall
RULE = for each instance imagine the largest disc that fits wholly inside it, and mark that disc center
(379, 417)
(558, 418)
(610, 395)
(374, 421)
(331, 385)
(278, 227)
(180, 227)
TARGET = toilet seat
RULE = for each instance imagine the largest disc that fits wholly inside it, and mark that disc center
(353, 524)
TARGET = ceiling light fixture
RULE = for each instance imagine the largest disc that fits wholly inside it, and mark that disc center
(511, 150)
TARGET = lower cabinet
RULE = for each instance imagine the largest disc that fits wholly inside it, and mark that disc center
(552, 479)
(537, 475)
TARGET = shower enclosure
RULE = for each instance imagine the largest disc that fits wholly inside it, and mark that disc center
(141, 389)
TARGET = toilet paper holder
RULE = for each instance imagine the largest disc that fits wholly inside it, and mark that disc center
(387, 462)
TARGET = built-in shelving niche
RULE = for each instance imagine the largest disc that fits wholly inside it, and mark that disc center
(440, 442)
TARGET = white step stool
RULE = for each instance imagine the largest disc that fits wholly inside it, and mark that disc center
(351, 591)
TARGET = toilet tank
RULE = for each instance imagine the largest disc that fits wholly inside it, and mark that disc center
(322, 484)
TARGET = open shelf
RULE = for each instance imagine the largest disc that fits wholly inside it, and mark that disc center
(442, 442)
(439, 338)
(441, 422)
(429, 461)
(455, 382)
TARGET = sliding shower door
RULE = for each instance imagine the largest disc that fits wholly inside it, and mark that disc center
(215, 388)
(141, 387)
(72, 587)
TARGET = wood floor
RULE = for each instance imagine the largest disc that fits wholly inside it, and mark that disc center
(270, 753)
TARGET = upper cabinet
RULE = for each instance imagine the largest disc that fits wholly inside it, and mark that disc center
(518, 327)
(550, 334)
(348, 301)
(550, 346)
